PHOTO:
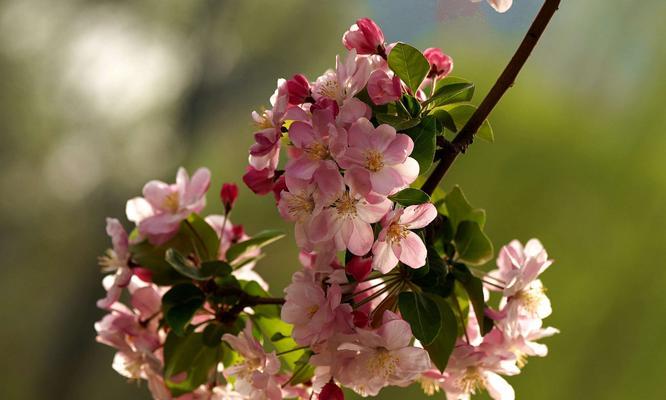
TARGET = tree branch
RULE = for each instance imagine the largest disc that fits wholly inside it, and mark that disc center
(466, 135)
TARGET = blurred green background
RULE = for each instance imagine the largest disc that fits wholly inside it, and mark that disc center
(100, 96)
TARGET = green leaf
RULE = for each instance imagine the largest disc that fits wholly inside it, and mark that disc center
(304, 371)
(458, 209)
(409, 64)
(472, 245)
(185, 241)
(278, 336)
(259, 240)
(411, 104)
(400, 123)
(463, 96)
(180, 304)
(441, 348)
(424, 136)
(188, 354)
(267, 310)
(423, 316)
(450, 93)
(462, 113)
(213, 332)
(410, 196)
(445, 119)
(474, 288)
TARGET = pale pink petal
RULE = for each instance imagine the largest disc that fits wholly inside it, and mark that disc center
(498, 388)
(157, 193)
(301, 134)
(399, 149)
(413, 251)
(361, 239)
(418, 216)
(384, 260)
(138, 209)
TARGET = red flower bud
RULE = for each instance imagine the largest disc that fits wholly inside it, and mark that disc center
(259, 181)
(440, 63)
(298, 88)
(228, 195)
(359, 267)
(360, 319)
(364, 36)
(331, 391)
(144, 274)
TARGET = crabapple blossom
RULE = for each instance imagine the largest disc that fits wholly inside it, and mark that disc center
(347, 221)
(365, 37)
(298, 88)
(115, 260)
(383, 357)
(440, 63)
(396, 242)
(377, 159)
(382, 88)
(349, 78)
(500, 6)
(315, 313)
(255, 372)
(163, 207)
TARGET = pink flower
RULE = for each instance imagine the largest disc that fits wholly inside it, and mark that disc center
(255, 373)
(518, 270)
(365, 37)
(298, 88)
(397, 242)
(351, 110)
(440, 63)
(471, 369)
(383, 357)
(164, 206)
(520, 336)
(500, 6)
(311, 145)
(382, 88)
(349, 78)
(228, 195)
(316, 314)
(299, 204)
(348, 222)
(115, 260)
(377, 159)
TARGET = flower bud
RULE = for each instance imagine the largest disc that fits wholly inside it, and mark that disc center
(260, 181)
(440, 63)
(298, 88)
(364, 36)
(228, 195)
(331, 391)
(359, 267)
(144, 274)
(382, 89)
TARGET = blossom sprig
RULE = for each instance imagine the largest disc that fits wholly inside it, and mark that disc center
(393, 288)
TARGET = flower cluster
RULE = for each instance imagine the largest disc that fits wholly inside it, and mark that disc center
(391, 291)
(477, 362)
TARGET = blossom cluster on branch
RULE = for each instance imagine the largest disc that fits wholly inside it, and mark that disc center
(392, 290)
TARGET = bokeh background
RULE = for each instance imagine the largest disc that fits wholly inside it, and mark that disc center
(97, 97)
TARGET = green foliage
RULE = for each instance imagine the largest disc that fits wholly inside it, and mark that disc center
(410, 196)
(271, 327)
(461, 114)
(254, 289)
(194, 237)
(424, 136)
(191, 355)
(259, 240)
(399, 122)
(441, 347)
(180, 304)
(462, 96)
(449, 92)
(474, 289)
(459, 209)
(472, 244)
(423, 315)
(409, 64)
(187, 268)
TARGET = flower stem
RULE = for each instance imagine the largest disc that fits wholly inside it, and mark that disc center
(466, 135)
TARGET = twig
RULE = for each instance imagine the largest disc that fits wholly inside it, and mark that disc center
(466, 135)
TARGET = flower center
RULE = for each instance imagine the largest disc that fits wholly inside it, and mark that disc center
(396, 232)
(317, 151)
(471, 381)
(301, 205)
(429, 385)
(265, 121)
(110, 261)
(346, 205)
(329, 89)
(383, 363)
(531, 297)
(374, 161)
(171, 202)
(312, 310)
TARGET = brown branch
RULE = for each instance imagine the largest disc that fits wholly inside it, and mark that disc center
(466, 135)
